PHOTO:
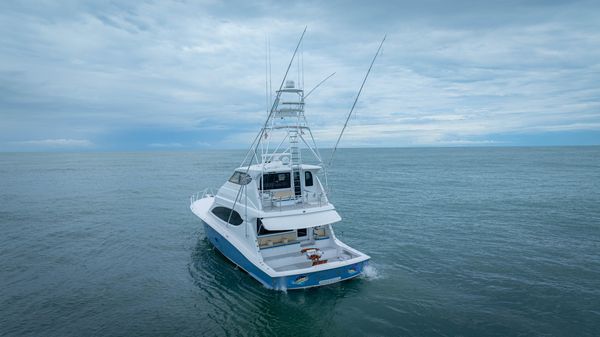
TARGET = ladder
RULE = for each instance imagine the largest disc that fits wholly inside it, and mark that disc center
(295, 161)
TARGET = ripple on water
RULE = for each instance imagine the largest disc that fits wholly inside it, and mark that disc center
(495, 241)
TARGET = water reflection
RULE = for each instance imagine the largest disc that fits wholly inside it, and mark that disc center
(240, 305)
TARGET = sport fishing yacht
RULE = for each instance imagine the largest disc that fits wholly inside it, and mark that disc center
(272, 218)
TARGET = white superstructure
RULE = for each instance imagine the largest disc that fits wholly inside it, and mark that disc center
(272, 218)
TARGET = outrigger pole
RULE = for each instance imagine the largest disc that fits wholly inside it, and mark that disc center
(318, 85)
(253, 147)
(356, 100)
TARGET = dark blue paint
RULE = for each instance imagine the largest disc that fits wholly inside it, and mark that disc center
(282, 283)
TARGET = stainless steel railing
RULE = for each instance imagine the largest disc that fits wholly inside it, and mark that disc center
(207, 192)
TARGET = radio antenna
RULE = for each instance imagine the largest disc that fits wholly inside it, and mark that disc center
(355, 100)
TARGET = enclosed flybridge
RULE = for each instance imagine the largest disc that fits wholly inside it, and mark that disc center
(272, 217)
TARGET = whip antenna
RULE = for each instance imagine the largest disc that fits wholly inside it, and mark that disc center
(356, 100)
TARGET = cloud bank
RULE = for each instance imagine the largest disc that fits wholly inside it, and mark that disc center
(55, 143)
(178, 75)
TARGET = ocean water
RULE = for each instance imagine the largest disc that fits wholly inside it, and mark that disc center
(464, 242)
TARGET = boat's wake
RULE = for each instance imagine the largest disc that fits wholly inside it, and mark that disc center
(371, 273)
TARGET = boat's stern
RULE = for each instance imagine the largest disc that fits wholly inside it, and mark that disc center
(320, 278)
(313, 259)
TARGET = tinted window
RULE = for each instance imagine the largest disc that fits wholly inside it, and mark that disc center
(273, 181)
(235, 178)
(240, 178)
(308, 180)
(224, 213)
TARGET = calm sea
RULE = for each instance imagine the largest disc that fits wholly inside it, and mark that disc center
(464, 242)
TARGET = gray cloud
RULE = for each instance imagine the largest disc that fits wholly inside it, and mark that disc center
(450, 73)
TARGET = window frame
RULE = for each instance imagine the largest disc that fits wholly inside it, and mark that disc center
(272, 185)
(240, 178)
(235, 220)
(312, 179)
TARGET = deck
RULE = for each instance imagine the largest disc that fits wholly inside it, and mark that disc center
(290, 257)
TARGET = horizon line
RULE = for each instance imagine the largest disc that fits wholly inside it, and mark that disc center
(324, 148)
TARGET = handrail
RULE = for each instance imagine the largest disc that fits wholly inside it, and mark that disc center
(306, 199)
(207, 192)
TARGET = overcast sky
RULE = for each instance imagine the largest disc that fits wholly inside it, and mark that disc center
(163, 75)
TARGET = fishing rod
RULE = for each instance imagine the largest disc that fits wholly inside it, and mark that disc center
(253, 147)
(356, 100)
(275, 103)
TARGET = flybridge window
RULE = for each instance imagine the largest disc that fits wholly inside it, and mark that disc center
(240, 178)
(224, 213)
(274, 181)
(308, 179)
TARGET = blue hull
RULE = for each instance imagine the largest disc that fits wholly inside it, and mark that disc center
(298, 281)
